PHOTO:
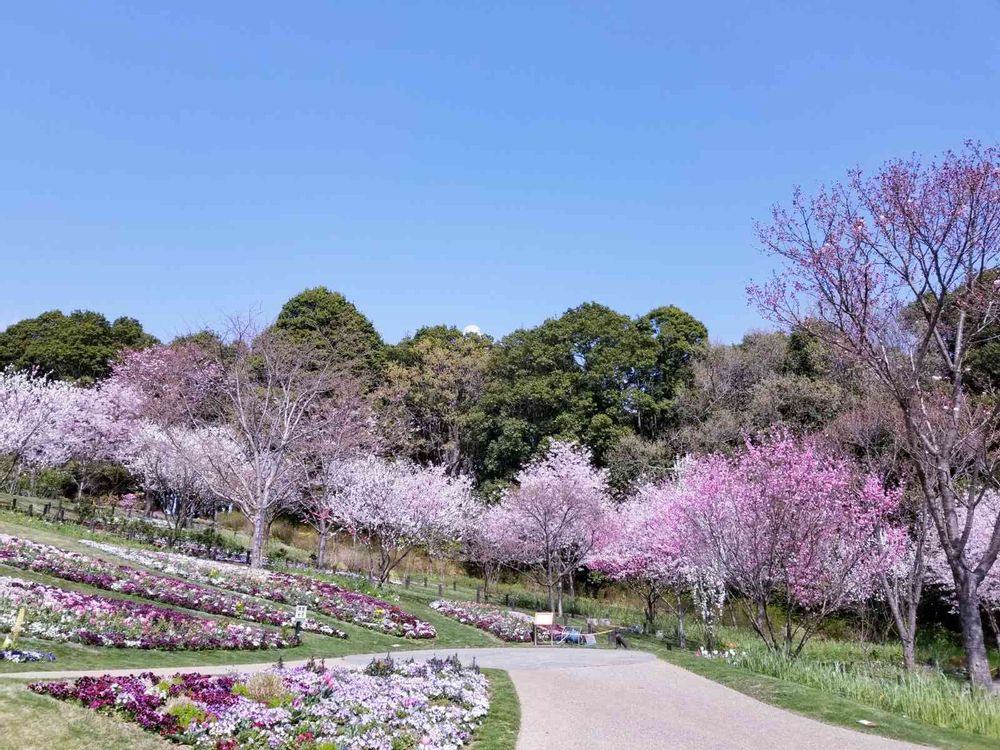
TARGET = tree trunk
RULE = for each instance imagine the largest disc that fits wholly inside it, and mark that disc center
(681, 635)
(321, 552)
(650, 610)
(909, 654)
(973, 638)
(258, 545)
(560, 584)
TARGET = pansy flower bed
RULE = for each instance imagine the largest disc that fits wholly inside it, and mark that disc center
(71, 566)
(61, 615)
(20, 656)
(328, 598)
(387, 706)
(506, 624)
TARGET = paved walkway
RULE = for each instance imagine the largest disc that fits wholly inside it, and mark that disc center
(627, 700)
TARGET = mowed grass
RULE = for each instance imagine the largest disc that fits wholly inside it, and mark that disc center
(499, 729)
(37, 722)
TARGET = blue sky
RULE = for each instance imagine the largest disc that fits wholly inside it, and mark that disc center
(487, 163)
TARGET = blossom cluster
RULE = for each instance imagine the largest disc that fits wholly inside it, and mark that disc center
(435, 705)
(20, 656)
(72, 566)
(506, 624)
(61, 615)
(285, 588)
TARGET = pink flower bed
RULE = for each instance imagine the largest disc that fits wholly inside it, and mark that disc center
(506, 624)
(328, 598)
(388, 706)
(71, 566)
(61, 615)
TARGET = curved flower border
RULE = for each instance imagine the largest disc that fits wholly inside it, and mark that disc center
(72, 566)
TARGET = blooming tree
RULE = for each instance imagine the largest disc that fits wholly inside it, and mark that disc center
(93, 427)
(489, 544)
(31, 414)
(980, 535)
(256, 424)
(637, 547)
(348, 434)
(161, 462)
(171, 383)
(896, 272)
(555, 514)
(788, 527)
(396, 506)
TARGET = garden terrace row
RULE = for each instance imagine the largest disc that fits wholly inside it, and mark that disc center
(72, 566)
(286, 588)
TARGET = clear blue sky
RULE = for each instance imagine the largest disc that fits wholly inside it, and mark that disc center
(488, 163)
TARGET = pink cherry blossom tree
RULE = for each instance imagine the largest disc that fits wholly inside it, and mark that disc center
(172, 383)
(489, 544)
(555, 514)
(93, 428)
(980, 536)
(31, 414)
(788, 528)
(161, 462)
(896, 272)
(394, 507)
(349, 433)
(267, 405)
(637, 547)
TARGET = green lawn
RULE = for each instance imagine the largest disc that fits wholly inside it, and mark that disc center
(37, 722)
(499, 730)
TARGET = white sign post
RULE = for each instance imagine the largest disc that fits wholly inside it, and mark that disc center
(542, 619)
(301, 613)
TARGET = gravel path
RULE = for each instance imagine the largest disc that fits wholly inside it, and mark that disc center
(573, 699)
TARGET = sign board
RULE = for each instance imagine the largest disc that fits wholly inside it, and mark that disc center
(543, 618)
(301, 613)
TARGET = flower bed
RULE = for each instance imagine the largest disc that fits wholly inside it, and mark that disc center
(17, 656)
(71, 566)
(61, 615)
(387, 706)
(328, 598)
(506, 624)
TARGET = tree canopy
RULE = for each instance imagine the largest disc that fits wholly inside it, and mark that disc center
(591, 375)
(79, 347)
(328, 321)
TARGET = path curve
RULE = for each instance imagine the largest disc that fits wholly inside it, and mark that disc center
(611, 700)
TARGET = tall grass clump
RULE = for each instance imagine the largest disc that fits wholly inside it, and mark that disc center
(928, 696)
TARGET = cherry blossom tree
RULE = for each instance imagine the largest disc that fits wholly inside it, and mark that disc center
(489, 544)
(31, 413)
(788, 528)
(980, 536)
(93, 428)
(394, 507)
(555, 514)
(266, 408)
(895, 271)
(349, 433)
(637, 547)
(172, 383)
(873, 434)
(161, 462)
